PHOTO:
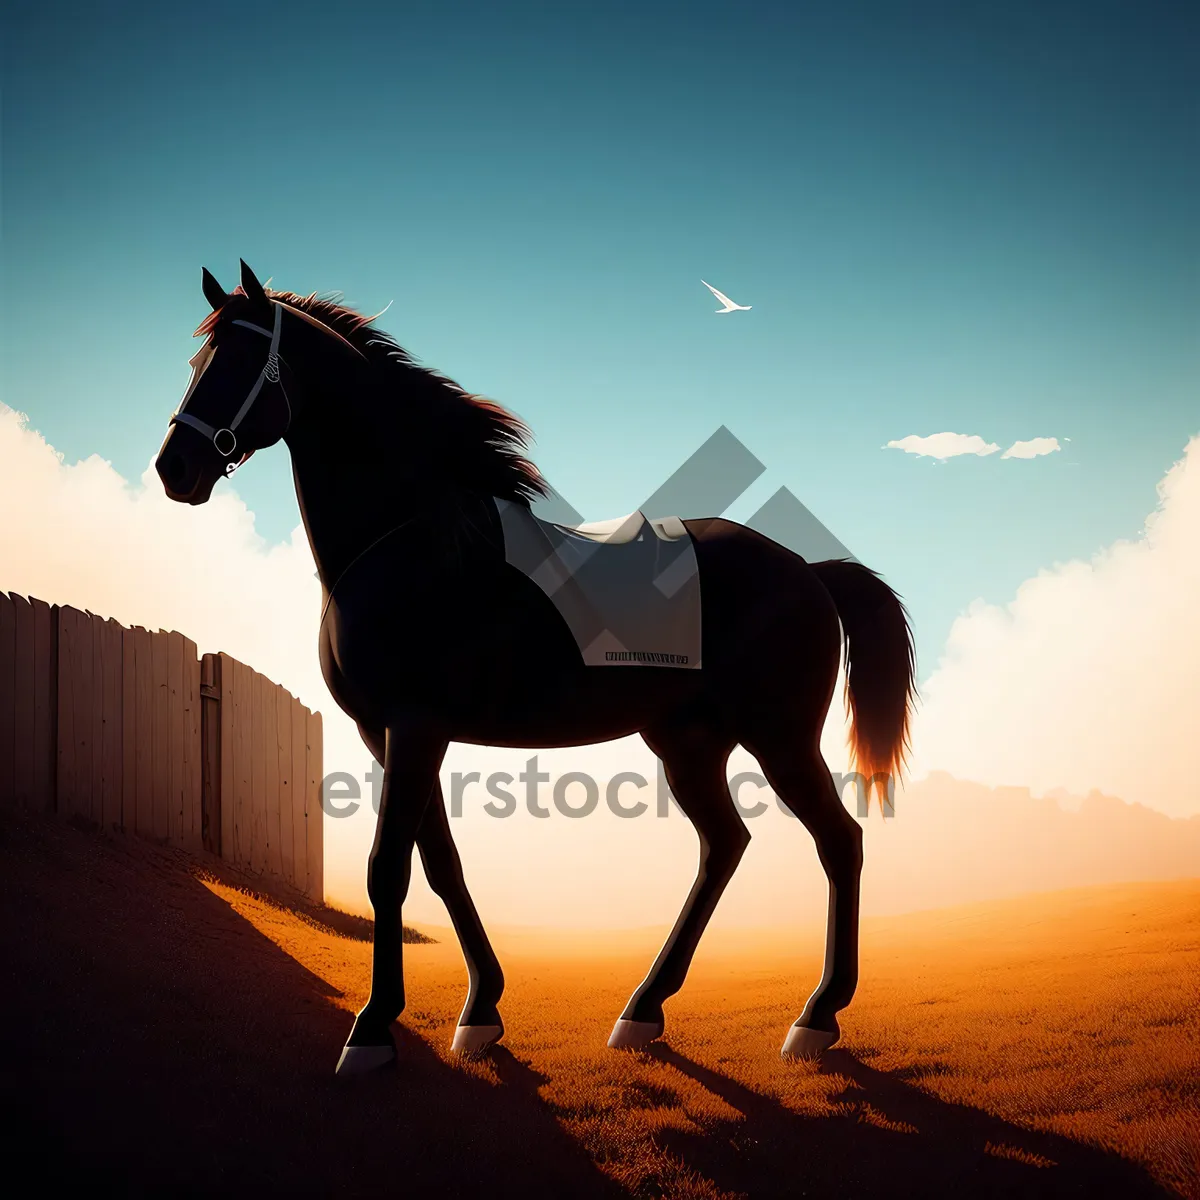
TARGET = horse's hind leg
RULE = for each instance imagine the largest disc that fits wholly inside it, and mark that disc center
(694, 755)
(799, 777)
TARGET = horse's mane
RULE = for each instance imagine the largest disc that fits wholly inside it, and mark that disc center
(481, 444)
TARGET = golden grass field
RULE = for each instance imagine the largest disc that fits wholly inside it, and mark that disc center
(1074, 1014)
(1045, 1046)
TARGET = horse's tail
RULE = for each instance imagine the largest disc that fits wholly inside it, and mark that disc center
(880, 668)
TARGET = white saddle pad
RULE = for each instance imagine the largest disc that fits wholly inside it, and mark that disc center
(628, 589)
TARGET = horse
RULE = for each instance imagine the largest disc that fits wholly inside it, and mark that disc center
(428, 635)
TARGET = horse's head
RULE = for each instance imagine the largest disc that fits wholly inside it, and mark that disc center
(237, 401)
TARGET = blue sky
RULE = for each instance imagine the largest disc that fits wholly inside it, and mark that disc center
(946, 219)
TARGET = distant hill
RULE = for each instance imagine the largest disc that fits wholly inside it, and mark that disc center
(952, 841)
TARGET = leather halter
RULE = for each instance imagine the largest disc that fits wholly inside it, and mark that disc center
(269, 374)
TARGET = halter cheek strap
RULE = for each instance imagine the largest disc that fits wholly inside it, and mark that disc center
(269, 374)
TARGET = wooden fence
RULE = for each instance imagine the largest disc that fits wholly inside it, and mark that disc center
(134, 731)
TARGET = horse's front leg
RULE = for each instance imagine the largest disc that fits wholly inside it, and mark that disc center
(480, 1024)
(413, 754)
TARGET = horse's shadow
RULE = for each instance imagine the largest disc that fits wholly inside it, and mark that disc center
(899, 1142)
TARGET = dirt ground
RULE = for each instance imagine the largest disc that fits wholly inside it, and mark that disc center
(167, 1032)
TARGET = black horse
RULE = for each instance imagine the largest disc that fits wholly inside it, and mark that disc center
(429, 635)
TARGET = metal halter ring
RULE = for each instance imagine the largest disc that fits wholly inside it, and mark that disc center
(232, 440)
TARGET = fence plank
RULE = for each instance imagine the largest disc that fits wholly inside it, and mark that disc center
(299, 792)
(272, 699)
(144, 753)
(314, 818)
(212, 771)
(109, 638)
(161, 754)
(92, 718)
(258, 836)
(77, 747)
(192, 757)
(45, 699)
(227, 846)
(64, 749)
(23, 702)
(242, 764)
(129, 729)
(174, 648)
(8, 697)
(81, 712)
(283, 750)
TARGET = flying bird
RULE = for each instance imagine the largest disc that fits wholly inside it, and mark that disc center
(725, 300)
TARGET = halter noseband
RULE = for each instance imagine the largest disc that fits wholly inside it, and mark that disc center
(269, 374)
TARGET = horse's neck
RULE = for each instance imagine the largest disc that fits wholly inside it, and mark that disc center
(347, 494)
(352, 491)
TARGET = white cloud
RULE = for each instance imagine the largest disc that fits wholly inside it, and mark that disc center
(1090, 677)
(943, 445)
(1033, 448)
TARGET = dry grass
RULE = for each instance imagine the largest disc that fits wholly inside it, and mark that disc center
(1005, 1048)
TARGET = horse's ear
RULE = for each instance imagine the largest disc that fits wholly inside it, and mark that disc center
(251, 286)
(214, 293)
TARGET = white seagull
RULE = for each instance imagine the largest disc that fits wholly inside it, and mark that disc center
(725, 300)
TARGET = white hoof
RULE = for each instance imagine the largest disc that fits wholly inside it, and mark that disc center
(475, 1039)
(806, 1043)
(361, 1060)
(633, 1035)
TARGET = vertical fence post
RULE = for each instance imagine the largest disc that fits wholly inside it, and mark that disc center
(210, 753)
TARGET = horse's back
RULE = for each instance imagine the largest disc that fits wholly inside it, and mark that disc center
(759, 598)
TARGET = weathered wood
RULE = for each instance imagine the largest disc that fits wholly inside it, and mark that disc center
(23, 702)
(271, 695)
(135, 730)
(129, 730)
(8, 699)
(299, 794)
(192, 753)
(161, 751)
(258, 836)
(75, 708)
(210, 751)
(92, 717)
(243, 763)
(45, 699)
(174, 645)
(283, 746)
(87, 723)
(228, 785)
(64, 742)
(314, 818)
(109, 642)
(144, 753)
